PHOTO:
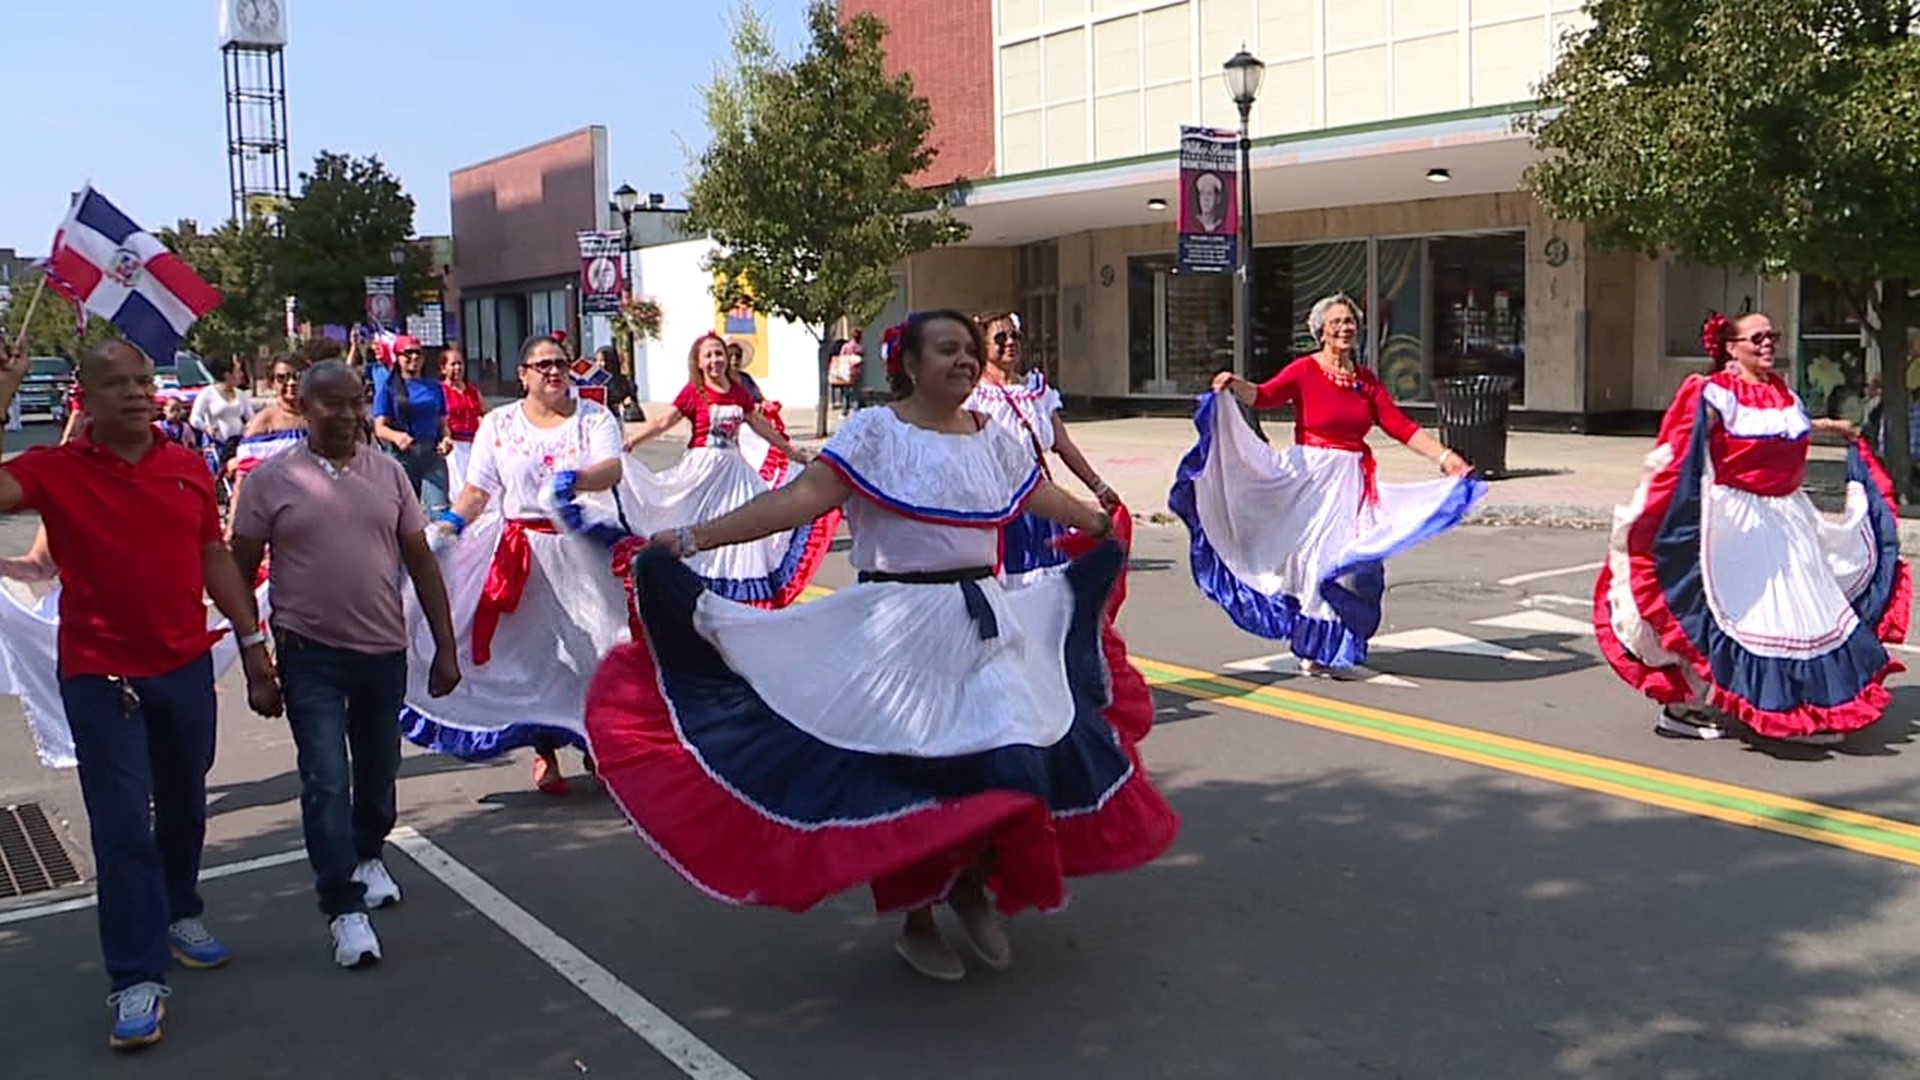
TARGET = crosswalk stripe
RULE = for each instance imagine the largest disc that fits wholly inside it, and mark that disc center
(1539, 622)
(1288, 664)
(1434, 639)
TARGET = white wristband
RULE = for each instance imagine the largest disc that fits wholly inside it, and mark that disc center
(258, 637)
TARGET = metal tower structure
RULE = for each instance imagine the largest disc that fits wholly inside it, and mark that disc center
(253, 45)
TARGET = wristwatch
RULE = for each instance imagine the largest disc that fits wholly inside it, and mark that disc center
(248, 641)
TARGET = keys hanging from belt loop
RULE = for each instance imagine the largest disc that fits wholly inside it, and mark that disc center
(129, 697)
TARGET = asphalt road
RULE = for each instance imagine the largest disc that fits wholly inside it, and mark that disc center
(1445, 872)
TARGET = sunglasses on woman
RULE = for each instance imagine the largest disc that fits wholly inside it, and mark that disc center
(1761, 337)
(1003, 337)
(545, 367)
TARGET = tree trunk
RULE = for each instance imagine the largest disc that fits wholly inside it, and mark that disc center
(1895, 310)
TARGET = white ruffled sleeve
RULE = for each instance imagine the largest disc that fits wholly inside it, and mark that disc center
(981, 478)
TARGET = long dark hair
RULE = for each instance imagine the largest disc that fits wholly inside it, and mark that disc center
(913, 337)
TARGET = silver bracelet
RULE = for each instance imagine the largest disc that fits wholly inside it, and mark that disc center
(683, 540)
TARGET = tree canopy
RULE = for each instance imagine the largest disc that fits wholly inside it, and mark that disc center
(1769, 135)
(807, 184)
(349, 219)
(237, 258)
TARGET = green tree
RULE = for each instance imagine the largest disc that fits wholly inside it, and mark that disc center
(807, 184)
(55, 330)
(1769, 135)
(238, 258)
(349, 219)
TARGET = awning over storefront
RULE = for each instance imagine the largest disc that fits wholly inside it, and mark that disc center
(1483, 153)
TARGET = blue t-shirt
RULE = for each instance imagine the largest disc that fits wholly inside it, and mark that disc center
(426, 405)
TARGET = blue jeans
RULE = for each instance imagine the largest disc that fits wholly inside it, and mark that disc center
(145, 746)
(344, 709)
(427, 472)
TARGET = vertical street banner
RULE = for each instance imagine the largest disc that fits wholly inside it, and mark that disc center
(603, 278)
(1209, 201)
(382, 305)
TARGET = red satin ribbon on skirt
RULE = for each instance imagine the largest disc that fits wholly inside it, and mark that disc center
(1370, 485)
(506, 582)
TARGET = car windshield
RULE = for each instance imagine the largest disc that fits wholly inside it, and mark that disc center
(192, 373)
(46, 365)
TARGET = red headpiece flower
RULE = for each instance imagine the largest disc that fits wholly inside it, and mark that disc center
(1713, 334)
(891, 346)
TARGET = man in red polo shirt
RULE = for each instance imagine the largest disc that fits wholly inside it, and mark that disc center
(132, 525)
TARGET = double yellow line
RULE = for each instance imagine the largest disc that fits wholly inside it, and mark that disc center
(1867, 834)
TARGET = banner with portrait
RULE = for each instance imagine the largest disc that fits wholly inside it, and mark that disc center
(1209, 201)
(603, 276)
(383, 308)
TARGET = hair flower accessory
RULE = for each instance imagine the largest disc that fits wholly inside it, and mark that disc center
(1713, 335)
(890, 349)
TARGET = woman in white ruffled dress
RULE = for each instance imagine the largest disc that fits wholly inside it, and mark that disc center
(714, 477)
(1292, 541)
(534, 607)
(928, 732)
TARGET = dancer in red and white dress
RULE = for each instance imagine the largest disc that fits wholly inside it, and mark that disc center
(714, 478)
(1292, 542)
(939, 736)
(465, 407)
(1727, 596)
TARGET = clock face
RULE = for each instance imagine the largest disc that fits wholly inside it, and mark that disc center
(259, 16)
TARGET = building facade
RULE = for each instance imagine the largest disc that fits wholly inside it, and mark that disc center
(1387, 164)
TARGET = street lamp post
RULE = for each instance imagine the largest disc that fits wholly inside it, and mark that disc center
(1244, 73)
(625, 199)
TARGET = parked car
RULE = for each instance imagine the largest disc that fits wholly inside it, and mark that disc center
(48, 381)
(184, 378)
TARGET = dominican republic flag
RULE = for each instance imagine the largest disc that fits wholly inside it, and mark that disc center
(103, 263)
(591, 379)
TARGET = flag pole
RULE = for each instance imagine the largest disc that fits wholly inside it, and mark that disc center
(26, 321)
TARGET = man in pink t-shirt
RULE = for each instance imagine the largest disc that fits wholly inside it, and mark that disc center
(342, 520)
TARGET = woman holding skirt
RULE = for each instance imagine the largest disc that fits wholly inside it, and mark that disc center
(927, 731)
(714, 478)
(1293, 541)
(465, 407)
(1727, 597)
(534, 608)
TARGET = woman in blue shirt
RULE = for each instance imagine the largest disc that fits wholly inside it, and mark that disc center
(410, 417)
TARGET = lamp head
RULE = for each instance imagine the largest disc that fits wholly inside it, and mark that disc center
(626, 198)
(1244, 72)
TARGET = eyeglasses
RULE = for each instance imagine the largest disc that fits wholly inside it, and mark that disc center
(413, 352)
(1003, 337)
(1762, 337)
(283, 377)
(545, 367)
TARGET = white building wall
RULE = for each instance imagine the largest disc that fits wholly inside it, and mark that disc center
(675, 276)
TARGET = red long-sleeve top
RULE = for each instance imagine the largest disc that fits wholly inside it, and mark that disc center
(1333, 416)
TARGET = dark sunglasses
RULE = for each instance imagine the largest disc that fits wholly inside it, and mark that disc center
(1003, 337)
(1762, 337)
(413, 352)
(545, 367)
(285, 377)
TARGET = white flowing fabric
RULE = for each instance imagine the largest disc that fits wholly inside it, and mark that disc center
(704, 484)
(457, 467)
(910, 673)
(29, 665)
(1285, 519)
(544, 653)
(1779, 576)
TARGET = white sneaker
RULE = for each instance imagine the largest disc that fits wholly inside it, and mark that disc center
(382, 890)
(354, 942)
(1686, 724)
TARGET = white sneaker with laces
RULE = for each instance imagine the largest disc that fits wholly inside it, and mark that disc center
(354, 942)
(382, 890)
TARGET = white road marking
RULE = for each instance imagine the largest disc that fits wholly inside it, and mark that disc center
(1542, 575)
(1553, 600)
(1288, 664)
(622, 1002)
(1905, 648)
(211, 873)
(1433, 639)
(1539, 622)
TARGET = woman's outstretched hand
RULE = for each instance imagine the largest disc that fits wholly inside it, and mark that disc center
(1235, 385)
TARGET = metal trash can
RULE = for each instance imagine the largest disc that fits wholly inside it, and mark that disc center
(1473, 419)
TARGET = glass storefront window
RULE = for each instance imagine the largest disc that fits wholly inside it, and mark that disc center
(1833, 376)
(1440, 306)
(1690, 291)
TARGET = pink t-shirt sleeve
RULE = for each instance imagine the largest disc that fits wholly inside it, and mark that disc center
(413, 518)
(258, 502)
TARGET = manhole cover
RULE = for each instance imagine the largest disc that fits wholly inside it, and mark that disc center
(31, 858)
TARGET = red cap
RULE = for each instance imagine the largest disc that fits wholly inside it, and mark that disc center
(406, 343)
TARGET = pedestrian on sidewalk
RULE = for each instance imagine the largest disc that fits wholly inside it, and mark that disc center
(134, 529)
(342, 522)
(1728, 597)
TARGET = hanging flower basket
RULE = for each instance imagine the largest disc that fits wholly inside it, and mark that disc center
(640, 319)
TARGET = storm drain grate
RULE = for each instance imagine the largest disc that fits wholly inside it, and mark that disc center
(31, 858)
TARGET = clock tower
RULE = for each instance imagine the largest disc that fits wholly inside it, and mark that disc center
(253, 42)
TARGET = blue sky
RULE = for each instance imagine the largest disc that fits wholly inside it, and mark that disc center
(129, 94)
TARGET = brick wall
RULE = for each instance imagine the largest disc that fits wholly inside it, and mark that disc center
(514, 217)
(947, 46)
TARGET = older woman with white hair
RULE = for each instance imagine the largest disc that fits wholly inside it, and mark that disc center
(1292, 541)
